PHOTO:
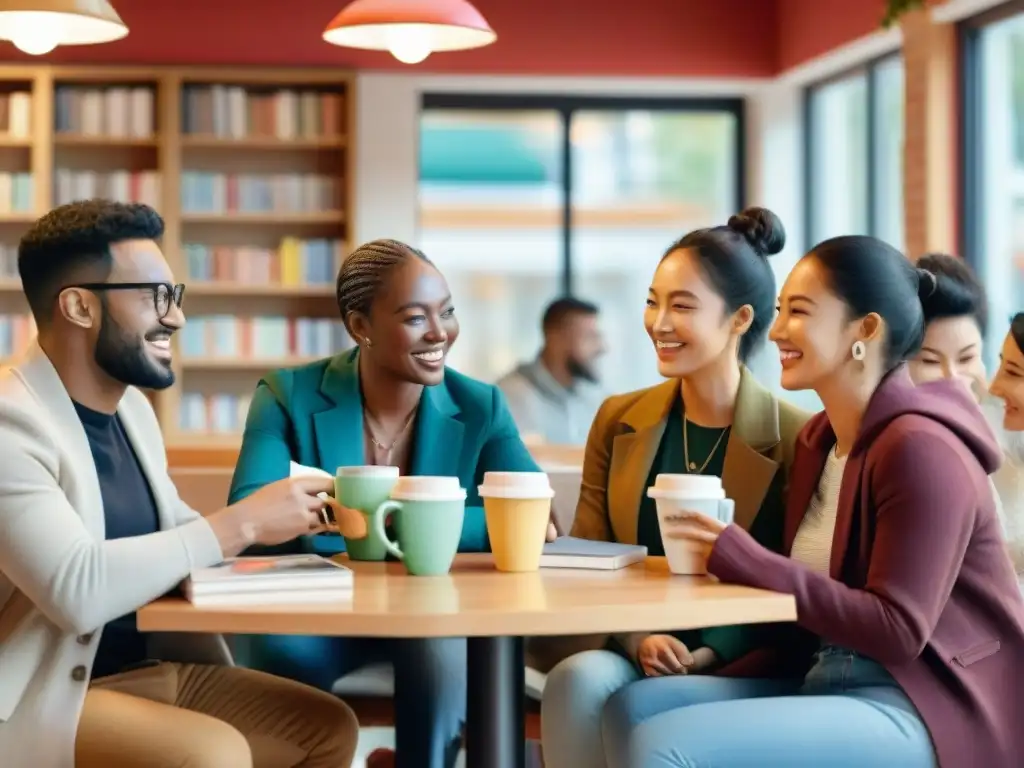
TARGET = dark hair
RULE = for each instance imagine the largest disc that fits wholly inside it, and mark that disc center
(73, 241)
(560, 310)
(1017, 330)
(958, 292)
(364, 271)
(870, 275)
(734, 259)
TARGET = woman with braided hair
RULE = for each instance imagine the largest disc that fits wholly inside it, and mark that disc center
(391, 401)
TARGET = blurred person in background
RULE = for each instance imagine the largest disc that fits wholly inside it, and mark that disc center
(956, 314)
(556, 396)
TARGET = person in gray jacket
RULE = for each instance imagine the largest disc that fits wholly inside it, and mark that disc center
(556, 396)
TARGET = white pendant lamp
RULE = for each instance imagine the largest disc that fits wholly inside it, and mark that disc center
(410, 29)
(38, 26)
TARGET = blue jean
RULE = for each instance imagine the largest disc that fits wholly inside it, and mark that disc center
(575, 695)
(430, 684)
(847, 712)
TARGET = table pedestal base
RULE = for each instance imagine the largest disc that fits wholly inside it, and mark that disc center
(495, 711)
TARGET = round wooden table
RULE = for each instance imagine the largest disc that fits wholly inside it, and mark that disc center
(494, 611)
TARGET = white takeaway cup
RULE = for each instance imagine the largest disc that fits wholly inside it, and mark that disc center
(675, 494)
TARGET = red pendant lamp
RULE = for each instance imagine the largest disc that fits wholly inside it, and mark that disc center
(410, 29)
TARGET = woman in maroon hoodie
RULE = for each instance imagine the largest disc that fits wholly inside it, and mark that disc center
(909, 646)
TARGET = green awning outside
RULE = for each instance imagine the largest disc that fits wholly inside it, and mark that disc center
(499, 155)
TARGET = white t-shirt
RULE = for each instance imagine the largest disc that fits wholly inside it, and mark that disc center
(813, 543)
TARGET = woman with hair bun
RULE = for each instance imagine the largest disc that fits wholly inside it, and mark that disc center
(909, 640)
(708, 308)
(1008, 386)
(956, 316)
(391, 401)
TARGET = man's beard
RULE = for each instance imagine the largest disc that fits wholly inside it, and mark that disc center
(580, 370)
(122, 356)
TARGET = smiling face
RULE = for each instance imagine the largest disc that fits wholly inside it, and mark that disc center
(813, 329)
(412, 323)
(951, 350)
(1008, 384)
(131, 341)
(687, 320)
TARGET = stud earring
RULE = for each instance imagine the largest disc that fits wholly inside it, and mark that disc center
(859, 351)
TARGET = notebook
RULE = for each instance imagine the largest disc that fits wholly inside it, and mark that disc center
(569, 552)
(289, 578)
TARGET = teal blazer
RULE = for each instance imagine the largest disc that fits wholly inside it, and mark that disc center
(313, 415)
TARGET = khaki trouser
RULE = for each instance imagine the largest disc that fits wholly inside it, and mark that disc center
(193, 716)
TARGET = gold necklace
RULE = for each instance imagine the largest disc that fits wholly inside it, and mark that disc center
(388, 449)
(692, 465)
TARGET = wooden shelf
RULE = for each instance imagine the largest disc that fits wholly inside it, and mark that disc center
(81, 140)
(152, 168)
(270, 218)
(245, 289)
(201, 141)
(243, 363)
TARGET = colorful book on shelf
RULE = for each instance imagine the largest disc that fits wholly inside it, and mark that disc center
(270, 337)
(233, 112)
(281, 193)
(116, 111)
(223, 413)
(281, 578)
(296, 262)
(124, 186)
(16, 114)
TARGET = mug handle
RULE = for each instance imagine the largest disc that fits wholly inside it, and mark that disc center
(726, 510)
(379, 515)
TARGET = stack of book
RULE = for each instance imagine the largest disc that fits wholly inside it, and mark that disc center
(267, 580)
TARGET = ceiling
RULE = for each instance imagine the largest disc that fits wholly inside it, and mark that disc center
(700, 38)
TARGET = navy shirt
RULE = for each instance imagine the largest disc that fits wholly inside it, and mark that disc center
(129, 510)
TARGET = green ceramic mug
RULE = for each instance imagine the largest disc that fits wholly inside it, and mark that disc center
(364, 489)
(427, 514)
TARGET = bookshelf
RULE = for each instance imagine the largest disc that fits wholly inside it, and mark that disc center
(252, 172)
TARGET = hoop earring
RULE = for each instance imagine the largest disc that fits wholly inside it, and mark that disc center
(859, 351)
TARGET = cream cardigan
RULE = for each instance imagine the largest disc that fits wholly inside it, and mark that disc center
(60, 581)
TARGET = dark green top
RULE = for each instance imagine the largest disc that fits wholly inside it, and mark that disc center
(671, 460)
(728, 643)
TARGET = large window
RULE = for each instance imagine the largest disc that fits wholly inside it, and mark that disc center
(526, 199)
(993, 139)
(854, 163)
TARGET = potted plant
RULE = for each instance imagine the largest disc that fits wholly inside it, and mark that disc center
(896, 8)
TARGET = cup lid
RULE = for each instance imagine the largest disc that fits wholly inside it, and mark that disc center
(516, 485)
(367, 471)
(428, 488)
(686, 486)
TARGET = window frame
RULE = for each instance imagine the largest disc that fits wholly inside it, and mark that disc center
(869, 69)
(971, 150)
(566, 106)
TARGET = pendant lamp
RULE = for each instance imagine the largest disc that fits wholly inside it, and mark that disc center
(38, 26)
(410, 29)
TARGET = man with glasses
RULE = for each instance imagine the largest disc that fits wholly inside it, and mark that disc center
(92, 528)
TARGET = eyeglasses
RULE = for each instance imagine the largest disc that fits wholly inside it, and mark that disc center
(163, 293)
